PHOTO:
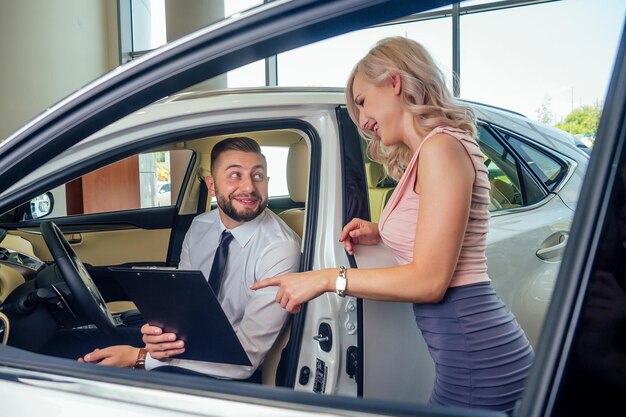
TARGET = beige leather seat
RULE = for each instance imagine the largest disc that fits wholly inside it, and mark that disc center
(502, 194)
(10, 278)
(378, 196)
(272, 359)
(297, 182)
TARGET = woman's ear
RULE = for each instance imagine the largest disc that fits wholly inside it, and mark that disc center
(396, 83)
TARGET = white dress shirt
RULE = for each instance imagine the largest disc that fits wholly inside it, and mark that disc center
(261, 248)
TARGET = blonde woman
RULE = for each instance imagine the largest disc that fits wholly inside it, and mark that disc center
(435, 223)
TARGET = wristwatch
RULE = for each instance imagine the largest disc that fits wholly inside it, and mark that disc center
(140, 362)
(342, 282)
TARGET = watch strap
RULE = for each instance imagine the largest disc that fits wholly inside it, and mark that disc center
(341, 283)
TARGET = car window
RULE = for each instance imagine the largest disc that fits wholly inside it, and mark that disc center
(510, 187)
(276, 168)
(145, 180)
(549, 170)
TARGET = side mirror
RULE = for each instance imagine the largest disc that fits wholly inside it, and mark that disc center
(41, 206)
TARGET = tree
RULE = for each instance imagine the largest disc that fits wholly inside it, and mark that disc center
(583, 120)
(544, 115)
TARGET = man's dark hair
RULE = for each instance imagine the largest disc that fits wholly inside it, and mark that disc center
(236, 143)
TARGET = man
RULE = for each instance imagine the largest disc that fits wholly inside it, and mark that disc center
(262, 246)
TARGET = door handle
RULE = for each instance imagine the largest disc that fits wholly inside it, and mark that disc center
(555, 247)
(75, 238)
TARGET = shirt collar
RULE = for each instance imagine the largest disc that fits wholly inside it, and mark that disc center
(244, 232)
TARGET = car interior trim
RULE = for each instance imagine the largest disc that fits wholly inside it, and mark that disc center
(355, 204)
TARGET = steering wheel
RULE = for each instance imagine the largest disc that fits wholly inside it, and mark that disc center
(83, 289)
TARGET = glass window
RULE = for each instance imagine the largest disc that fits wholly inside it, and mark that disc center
(549, 170)
(476, 2)
(235, 6)
(509, 188)
(148, 24)
(276, 169)
(328, 63)
(251, 75)
(541, 73)
(140, 181)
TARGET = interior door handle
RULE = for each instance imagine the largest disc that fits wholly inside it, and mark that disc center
(556, 246)
(75, 238)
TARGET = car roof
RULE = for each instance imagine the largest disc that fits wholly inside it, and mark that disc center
(178, 107)
(266, 97)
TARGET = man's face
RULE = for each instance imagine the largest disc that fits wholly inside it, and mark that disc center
(239, 182)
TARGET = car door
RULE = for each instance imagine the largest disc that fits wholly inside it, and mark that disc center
(111, 216)
(201, 57)
(530, 223)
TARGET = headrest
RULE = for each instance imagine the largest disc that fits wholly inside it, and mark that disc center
(298, 171)
(374, 173)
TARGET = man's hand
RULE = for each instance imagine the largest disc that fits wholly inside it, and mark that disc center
(161, 345)
(122, 356)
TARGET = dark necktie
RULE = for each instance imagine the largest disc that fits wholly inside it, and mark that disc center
(219, 262)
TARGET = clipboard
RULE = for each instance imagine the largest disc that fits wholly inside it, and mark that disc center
(182, 302)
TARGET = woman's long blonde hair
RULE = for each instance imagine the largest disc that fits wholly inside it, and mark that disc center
(424, 92)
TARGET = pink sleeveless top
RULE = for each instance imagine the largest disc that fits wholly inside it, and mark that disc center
(399, 217)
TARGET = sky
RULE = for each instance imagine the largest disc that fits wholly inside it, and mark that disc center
(559, 53)
(562, 50)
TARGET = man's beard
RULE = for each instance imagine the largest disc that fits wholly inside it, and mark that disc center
(245, 215)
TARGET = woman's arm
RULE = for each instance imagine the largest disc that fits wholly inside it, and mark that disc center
(446, 175)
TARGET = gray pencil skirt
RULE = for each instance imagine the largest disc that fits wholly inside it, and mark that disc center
(481, 354)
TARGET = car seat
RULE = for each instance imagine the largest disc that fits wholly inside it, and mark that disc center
(297, 182)
(378, 195)
(502, 194)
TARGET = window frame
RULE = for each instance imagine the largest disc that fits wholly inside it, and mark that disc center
(564, 167)
(569, 164)
(524, 172)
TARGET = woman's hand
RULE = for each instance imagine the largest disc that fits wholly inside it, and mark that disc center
(121, 356)
(161, 345)
(297, 288)
(359, 232)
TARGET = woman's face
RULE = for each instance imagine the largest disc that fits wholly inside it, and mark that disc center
(380, 108)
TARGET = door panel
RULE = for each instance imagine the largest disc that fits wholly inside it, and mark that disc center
(109, 247)
(136, 237)
(393, 347)
(522, 279)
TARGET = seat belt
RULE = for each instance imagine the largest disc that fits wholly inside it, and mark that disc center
(202, 198)
(182, 224)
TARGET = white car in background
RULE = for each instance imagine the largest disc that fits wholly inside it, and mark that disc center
(365, 357)
(164, 193)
